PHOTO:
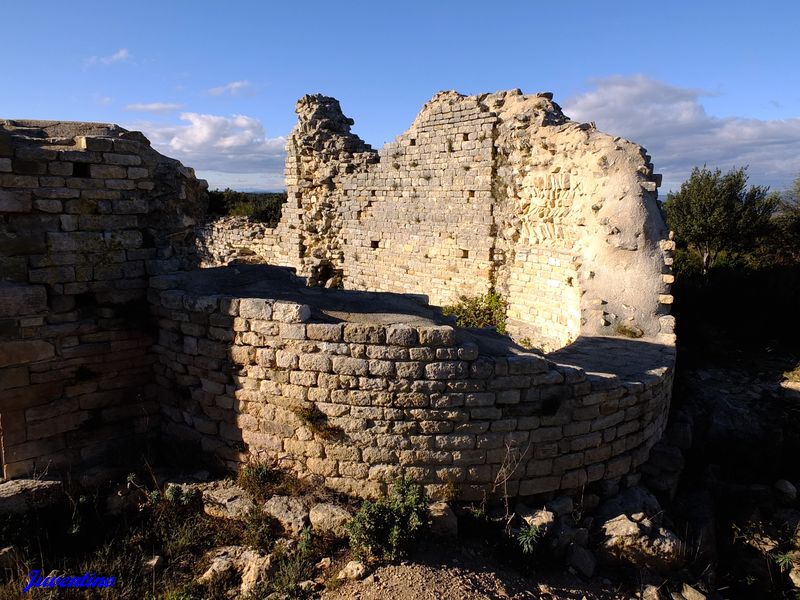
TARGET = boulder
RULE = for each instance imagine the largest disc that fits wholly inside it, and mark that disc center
(794, 576)
(330, 518)
(581, 559)
(289, 512)
(353, 570)
(690, 593)
(542, 519)
(786, 490)
(226, 500)
(636, 499)
(561, 506)
(251, 565)
(641, 544)
(444, 522)
(19, 496)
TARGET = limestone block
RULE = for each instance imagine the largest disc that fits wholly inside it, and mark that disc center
(290, 312)
(255, 308)
(23, 352)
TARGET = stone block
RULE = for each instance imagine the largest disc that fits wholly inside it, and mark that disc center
(290, 312)
(327, 332)
(15, 201)
(23, 352)
(442, 335)
(401, 335)
(17, 299)
(364, 333)
(255, 308)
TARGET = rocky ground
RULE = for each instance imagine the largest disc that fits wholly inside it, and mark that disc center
(714, 514)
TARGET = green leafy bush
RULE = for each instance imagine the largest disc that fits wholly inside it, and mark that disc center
(528, 538)
(386, 527)
(488, 310)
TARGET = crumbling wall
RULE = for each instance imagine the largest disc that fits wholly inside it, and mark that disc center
(87, 212)
(498, 190)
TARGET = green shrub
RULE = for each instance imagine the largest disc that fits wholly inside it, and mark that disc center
(488, 310)
(386, 527)
(260, 530)
(528, 538)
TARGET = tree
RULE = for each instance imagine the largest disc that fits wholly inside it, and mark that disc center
(713, 212)
(786, 223)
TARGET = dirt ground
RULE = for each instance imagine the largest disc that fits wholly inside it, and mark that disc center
(459, 571)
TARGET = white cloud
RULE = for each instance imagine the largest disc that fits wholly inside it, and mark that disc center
(154, 107)
(121, 55)
(232, 150)
(673, 125)
(234, 88)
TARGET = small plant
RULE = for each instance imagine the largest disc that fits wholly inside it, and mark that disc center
(449, 145)
(414, 164)
(465, 167)
(783, 560)
(488, 310)
(259, 480)
(317, 421)
(386, 527)
(527, 343)
(528, 538)
(260, 530)
(396, 165)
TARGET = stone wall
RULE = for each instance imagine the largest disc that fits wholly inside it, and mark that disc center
(498, 190)
(105, 344)
(87, 212)
(226, 239)
(360, 404)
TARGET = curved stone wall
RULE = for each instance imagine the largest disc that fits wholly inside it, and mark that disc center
(361, 399)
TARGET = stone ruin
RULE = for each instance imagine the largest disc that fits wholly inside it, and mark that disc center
(128, 319)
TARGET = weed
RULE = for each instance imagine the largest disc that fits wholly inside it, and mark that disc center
(528, 538)
(386, 527)
(263, 480)
(260, 530)
(317, 421)
(527, 343)
(449, 145)
(480, 311)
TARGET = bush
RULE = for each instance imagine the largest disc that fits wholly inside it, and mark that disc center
(528, 538)
(262, 207)
(386, 527)
(488, 310)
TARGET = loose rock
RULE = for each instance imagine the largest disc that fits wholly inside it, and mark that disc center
(289, 512)
(330, 518)
(353, 570)
(444, 522)
(226, 500)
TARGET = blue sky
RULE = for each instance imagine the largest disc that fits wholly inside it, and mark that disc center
(214, 83)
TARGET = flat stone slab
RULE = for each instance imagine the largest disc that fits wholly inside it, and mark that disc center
(280, 283)
(19, 496)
